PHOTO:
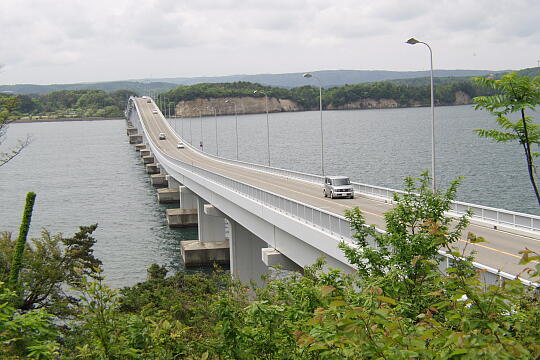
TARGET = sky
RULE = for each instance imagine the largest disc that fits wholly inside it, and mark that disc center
(70, 41)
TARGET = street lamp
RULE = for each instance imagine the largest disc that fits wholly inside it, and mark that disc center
(307, 76)
(413, 41)
(215, 121)
(200, 120)
(267, 124)
(236, 123)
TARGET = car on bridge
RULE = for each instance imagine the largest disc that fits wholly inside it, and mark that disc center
(338, 186)
(180, 145)
(154, 111)
(162, 136)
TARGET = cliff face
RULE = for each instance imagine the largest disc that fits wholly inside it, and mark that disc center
(256, 105)
(244, 105)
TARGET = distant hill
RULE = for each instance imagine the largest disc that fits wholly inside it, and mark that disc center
(137, 86)
(329, 78)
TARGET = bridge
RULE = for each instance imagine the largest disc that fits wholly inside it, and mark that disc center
(280, 217)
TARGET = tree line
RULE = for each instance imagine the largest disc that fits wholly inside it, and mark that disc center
(71, 103)
(307, 97)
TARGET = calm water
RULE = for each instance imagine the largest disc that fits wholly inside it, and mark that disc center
(86, 172)
(382, 147)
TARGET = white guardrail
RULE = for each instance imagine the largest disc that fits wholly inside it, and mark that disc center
(333, 224)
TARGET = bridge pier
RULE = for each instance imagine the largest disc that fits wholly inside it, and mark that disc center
(245, 253)
(140, 146)
(131, 131)
(212, 247)
(159, 180)
(144, 152)
(188, 200)
(172, 193)
(152, 168)
(135, 139)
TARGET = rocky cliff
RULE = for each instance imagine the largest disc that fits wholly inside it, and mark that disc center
(244, 105)
(256, 105)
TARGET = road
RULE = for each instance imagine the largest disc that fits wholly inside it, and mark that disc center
(500, 251)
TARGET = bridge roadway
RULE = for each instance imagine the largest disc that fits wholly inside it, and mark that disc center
(500, 251)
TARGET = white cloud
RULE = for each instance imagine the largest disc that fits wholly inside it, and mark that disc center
(74, 40)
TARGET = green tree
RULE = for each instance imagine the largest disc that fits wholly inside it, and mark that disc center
(7, 106)
(17, 261)
(29, 335)
(51, 265)
(515, 94)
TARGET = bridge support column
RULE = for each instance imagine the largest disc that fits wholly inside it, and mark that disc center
(152, 168)
(186, 215)
(246, 261)
(211, 223)
(144, 152)
(135, 139)
(131, 131)
(172, 193)
(140, 147)
(188, 200)
(211, 248)
(158, 180)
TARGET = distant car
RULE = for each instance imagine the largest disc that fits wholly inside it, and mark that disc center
(162, 136)
(338, 186)
(180, 145)
(148, 100)
(154, 111)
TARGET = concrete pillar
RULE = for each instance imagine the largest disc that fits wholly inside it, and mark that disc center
(173, 183)
(131, 130)
(188, 200)
(246, 261)
(135, 139)
(177, 218)
(211, 222)
(152, 168)
(145, 152)
(168, 195)
(147, 159)
(158, 180)
(139, 147)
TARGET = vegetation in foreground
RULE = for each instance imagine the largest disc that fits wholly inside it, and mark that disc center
(397, 306)
(514, 95)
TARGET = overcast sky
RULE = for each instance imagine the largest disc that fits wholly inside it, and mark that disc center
(66, 41)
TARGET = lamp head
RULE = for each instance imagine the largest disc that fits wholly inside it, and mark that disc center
(307, 75)
(412, 41)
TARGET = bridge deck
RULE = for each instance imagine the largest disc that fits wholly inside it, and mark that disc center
(499, 252)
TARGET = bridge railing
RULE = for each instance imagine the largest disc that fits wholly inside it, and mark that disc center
(493, 216)
(336, 225)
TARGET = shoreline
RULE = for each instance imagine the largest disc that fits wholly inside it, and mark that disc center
(26, 121)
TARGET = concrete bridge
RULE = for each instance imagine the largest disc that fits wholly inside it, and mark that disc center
(279, 217)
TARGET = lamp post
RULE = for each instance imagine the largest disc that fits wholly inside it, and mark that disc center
(413, 41)
(267, 123)
(215, 121)
(236, 123)
(307, 76)
(202, 139)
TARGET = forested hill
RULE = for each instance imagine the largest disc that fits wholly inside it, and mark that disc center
(329, 78)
